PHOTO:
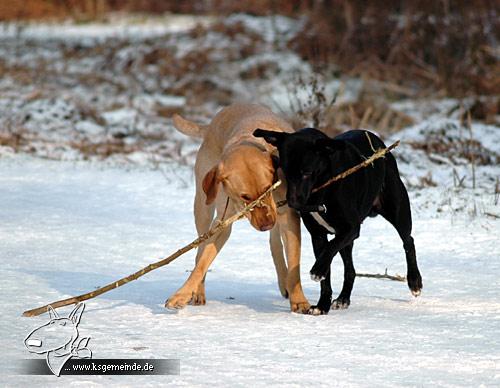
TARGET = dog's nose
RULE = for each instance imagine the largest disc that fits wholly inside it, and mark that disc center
(266, 226)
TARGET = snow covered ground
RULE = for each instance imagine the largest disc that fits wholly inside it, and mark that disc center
(67, 227)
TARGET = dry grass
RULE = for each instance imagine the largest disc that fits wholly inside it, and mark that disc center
(14, 140)
(103, 149)
(431, 46)
(370, 111)
(458, 150)
(373, 115)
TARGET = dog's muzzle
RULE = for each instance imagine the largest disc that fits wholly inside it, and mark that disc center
(262, 216)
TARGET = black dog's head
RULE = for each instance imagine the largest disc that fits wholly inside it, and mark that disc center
(304, 158)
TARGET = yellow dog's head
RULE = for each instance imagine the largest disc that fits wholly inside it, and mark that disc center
(245, 173)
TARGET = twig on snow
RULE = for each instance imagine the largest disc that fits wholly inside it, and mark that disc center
(397, 278)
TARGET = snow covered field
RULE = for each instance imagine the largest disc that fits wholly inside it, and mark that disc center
(69, 227)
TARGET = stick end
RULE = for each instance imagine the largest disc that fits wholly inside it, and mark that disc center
(34, 312)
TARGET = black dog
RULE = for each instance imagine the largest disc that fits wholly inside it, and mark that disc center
(308, 159)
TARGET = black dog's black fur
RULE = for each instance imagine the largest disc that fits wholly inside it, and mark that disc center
(308, 159)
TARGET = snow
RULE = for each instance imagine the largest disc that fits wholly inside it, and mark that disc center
(120, 116)
(89, 127)
(273, 28)
(120, 26)
(459, 187)
(450, 129)
(68, 227)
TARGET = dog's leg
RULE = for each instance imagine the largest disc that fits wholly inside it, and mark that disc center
(413, 275)
(289, 224)
(323, 306)
(204, 215)
(344, 299)
(342, 239)
(190, 291)
(208, 251)
(396, 209)
(278, 258)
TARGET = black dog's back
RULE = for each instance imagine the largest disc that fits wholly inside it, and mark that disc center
(362, 189)
(366, 143)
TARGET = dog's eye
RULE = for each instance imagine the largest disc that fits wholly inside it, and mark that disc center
(306, 175)
(245, 197)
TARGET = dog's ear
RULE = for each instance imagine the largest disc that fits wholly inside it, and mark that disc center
(52, 313)
(76, 314)
(272, 137)
(330, 145)
(210, 184)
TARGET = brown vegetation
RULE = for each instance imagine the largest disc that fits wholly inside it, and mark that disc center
(421, 45)
(370, 111)
(455, 150)
(441, 45)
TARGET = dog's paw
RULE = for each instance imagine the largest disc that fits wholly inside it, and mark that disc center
(300, 307)
(415, 284)
(198, 299)
(340, 303)
(316, 310)
(178, 301)
(317, 278)
(317, 274)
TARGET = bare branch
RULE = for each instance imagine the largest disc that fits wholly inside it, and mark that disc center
(397, 278)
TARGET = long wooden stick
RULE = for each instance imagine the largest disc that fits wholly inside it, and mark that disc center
(111, 286)
(214, 230)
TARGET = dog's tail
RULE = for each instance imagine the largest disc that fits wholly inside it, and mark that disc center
(187, 127)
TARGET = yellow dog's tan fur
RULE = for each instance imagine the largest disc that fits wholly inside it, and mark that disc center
(231, 157)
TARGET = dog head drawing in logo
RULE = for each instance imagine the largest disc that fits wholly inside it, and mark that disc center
(58, 338)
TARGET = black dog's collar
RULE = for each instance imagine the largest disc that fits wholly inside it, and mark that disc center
(313, 209)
